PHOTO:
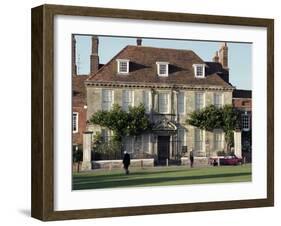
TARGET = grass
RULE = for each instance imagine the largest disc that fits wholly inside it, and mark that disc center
(160, 176)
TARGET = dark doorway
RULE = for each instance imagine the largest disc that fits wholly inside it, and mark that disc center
(163, 149)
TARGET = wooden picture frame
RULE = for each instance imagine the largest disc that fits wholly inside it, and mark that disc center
(43, 112)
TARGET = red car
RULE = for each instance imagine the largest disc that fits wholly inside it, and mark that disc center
(231, 160)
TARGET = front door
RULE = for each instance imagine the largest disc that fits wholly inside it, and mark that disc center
(163, 148)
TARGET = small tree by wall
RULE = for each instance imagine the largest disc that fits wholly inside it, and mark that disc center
(105, 150)
(211, 117)
(77, 155)
(122, 123)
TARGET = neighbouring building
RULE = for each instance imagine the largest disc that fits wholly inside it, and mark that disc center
(171, 83)
(79, 109)
(79, 103)
(242, 100)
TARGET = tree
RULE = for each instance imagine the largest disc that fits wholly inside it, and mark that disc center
(122, 123)
(77, 156)
(115, 120)
(138, 121)
(105, 150)
(211, 117)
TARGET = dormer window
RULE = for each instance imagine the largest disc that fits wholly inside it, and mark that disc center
(162, 69)
(123, 66)
(199, 70)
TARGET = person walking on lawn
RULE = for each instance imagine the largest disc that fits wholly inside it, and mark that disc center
(126, 162)
(191, 158)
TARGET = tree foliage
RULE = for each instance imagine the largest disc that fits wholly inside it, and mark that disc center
(77, 154)
(123, 123)
(211, 117)
(138, 121)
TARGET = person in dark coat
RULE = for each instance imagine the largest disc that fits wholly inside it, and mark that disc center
(191, 158)
(126, 162)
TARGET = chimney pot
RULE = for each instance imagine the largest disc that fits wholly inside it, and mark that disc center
(74, 66)
(94, 55)
(216, 57)
(223, 55)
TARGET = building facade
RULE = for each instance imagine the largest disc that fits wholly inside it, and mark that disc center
(79, 102)
(242, 101)
(171, 84)
(79, 109)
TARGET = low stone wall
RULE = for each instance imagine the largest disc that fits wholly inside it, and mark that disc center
(118, 164)
(198, 161)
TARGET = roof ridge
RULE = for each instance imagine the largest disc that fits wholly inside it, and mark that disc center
(154, 47)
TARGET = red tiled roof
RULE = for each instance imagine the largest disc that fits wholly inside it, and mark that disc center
(143, 68)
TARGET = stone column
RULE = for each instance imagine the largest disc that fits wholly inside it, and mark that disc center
(171, 148)
(237, 143)
(155, 107)
(87, 148)
(151, 104)
(176, 93)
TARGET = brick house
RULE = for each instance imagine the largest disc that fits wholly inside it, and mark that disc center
(79, 108)
(242, 100)
(79, 103)
(171, 83)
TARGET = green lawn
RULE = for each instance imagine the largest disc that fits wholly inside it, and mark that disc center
(159, 176)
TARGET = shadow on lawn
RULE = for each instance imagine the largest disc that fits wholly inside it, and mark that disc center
(87, 184)
(122, 175)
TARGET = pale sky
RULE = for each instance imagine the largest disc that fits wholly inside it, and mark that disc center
(239, 54)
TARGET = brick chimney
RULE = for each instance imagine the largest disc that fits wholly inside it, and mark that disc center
(73, 55)
(94, 55)
(139, 41)
(223, 55)
(216, 57)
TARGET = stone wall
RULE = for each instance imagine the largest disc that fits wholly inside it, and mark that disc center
(118, 164)
(198, 161)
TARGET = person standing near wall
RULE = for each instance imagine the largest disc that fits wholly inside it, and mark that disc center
(126, 162)
(191, 158)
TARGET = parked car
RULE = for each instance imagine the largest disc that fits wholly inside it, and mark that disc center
(231, 160)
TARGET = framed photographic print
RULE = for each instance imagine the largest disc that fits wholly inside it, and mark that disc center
(141, 112)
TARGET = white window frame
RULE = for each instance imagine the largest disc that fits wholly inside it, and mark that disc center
(126, 108)
(178, 96)
(129, 140)
(147, 106)
(158, 69)
(76, 122)
(102, 100)
(220, 132)
(195, 100)
(196, 67)
(182, 142)
(248, 121)
(202, 141)
(168, 102)
(221, 99)
(144, 137)
(119, 61)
